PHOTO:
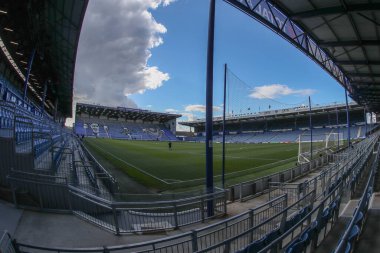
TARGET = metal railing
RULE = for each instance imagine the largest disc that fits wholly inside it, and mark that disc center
(6, 245)
(349, 238)
(108, 180)
(252, 188)
(274, 218)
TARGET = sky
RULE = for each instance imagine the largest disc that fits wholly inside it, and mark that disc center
(151, 54)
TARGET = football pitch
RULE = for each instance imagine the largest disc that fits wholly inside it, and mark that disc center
(153, 165)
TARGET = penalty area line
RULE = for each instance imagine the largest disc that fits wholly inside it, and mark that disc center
(131, 165)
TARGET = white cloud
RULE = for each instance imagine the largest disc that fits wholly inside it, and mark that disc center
(278, 90)
(171, 110)
(189, 116)
(149, 106)
(200, 108)
(167, 2)
(114, 49)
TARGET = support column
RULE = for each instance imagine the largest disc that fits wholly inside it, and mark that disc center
(224, 128)
(348, 120)
(311, 131)
(337, 123)
(209, 108)
(29, 68)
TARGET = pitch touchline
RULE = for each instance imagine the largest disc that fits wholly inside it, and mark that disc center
(133, 166)
(229, 156)
(191, 180)
(236, 172)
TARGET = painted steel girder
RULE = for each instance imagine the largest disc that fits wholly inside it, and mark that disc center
(270, 15)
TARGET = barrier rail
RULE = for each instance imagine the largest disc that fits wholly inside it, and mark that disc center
(6, 245)
(108, 180)
(263, 224)
(307, 232)
(252, 188)
(354, 228)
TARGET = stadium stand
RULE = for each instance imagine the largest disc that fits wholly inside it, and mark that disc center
(46, 168)
(286, 125)
(124, 123)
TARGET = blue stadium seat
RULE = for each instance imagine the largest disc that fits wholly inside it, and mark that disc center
(258, 245)
(348, 248)
(359, 219)
(306, 236)
(296, 246)
(273, 235)
(354, 234)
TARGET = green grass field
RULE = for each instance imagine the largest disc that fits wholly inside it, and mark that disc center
(156, 167)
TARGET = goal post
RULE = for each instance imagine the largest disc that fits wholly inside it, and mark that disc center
(322, 143)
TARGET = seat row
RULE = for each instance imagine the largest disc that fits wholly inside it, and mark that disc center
(358, 223)
(312, 232)
(266, 240)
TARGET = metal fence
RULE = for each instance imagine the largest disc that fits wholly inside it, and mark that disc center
(249, 189)
(6, 245)
(276, 221)
(108, 180)
(308, 233)
(350, 237)
(327, 178)
(47, 192)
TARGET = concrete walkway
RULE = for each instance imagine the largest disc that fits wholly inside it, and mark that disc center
(9, 217)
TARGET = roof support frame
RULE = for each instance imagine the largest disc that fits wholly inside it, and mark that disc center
(308, 46)
(336, 10)
(349, 43)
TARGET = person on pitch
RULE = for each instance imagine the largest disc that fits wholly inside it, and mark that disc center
(170, 145)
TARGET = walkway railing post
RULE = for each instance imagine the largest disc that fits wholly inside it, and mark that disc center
(117, 229)
(202, 209)
(194, 240)
(251, 224)
(175, 215)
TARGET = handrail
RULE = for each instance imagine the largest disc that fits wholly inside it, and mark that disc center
(343, 240)
(308, 216)
(250, 230)
(301, 221)
(242, 214)
(120, 203)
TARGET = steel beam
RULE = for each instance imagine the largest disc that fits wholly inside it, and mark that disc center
(363, 74)
(209, 109)
(29, 68)
(349, 43)
(354, 62)
(224, 127)
(335, 10)
(348, 119)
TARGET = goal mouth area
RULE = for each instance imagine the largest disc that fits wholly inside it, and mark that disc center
(317, 144)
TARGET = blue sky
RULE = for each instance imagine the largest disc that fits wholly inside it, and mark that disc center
(253, 52)
(155, 52)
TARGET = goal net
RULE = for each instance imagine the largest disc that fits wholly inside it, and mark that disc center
(321, 144)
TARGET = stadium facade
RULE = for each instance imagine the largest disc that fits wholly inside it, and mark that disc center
(287, 125)
(124, 123)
